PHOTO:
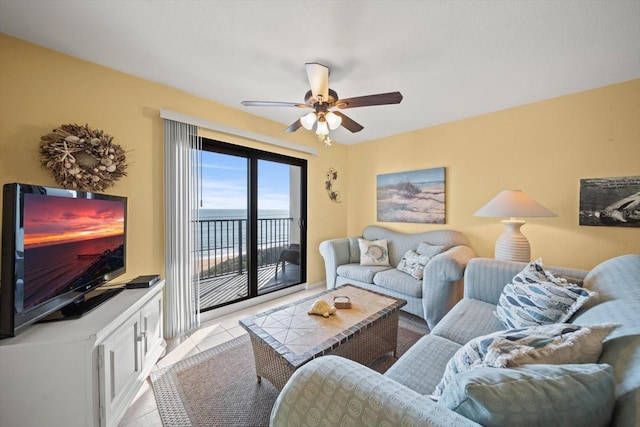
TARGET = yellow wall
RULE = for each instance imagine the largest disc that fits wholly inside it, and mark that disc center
(41, 89)
(543, 148)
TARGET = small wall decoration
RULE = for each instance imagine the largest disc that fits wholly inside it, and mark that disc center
(610, 201)
(334, 195)
(81, 158)
(414, 196)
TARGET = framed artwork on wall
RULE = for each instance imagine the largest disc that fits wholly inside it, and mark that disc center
(610, 201)
(413, 196)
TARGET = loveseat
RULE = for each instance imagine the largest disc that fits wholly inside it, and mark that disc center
(332, 390)
(429, 294)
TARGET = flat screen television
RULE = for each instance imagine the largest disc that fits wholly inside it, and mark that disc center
(58, 245)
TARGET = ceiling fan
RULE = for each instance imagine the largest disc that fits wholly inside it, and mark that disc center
(325, 102)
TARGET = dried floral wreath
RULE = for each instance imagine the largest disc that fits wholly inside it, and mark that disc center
(82, 158)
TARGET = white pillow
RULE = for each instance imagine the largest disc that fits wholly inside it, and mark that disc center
(536, 297)
(373, 252)
(556, 343)
(413, 263)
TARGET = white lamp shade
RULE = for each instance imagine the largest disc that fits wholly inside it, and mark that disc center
(333, 120)
(322, 128)
(513, 204)
(308, 120)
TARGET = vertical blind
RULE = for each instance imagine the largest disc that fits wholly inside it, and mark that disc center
(182, 154)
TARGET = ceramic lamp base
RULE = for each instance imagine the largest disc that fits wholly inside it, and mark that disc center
(512, 245)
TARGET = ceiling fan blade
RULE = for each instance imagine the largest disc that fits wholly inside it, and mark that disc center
(349, 123)
(318, 76)
(369, 100)
(294, 126)
(273, 104)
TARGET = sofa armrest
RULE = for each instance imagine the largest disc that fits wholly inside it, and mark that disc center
(442, 282)
(332, 390)
(335, 253)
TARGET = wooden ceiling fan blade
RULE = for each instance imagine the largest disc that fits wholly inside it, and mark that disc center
(370, 100)
(273, 104)
(348, 123)
(318, 76)
(294, 126)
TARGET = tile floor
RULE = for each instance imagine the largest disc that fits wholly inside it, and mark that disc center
(143, 412)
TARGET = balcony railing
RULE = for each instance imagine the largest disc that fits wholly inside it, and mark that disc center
(223, 243)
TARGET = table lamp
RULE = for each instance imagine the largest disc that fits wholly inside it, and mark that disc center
(512, 245)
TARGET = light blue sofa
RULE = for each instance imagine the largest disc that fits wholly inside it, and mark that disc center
(331, 390)
(429, 298)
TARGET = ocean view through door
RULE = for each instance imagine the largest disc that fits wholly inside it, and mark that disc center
(251, 223)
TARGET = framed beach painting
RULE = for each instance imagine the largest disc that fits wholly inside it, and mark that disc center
(610, 201)
(414, 196)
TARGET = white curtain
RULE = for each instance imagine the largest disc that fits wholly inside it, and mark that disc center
(182, 155)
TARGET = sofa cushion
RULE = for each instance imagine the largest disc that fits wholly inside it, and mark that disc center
(554, 343)
(413, 264)
(354, 250)
(421, 367)
(533, 395)
(399, 243)
(468, 319)
(373, 252)
(430, 250)
(360, 273)
(398, 281)
(536, 297)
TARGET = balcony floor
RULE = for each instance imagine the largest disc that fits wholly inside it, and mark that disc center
(223, 289)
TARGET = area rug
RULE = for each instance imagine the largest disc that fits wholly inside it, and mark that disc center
(218, 387)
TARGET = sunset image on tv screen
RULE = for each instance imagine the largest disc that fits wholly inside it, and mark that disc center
(53, 220)
(69, 243)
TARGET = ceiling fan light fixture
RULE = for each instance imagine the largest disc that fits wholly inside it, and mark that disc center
(308, 120)
(321, 99)
(333, 120)
(322, 128)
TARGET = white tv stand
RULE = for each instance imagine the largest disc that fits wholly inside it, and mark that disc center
(86, 371)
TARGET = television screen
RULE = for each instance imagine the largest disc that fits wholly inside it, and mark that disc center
(57, 245)
(68, 244)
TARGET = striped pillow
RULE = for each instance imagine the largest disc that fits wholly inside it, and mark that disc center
(536, 297)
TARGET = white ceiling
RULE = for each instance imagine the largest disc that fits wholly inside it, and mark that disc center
(450, 59)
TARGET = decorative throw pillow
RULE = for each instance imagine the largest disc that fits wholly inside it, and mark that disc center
(555, 343)
(536, 297)
(534, 395)
(373, 252)
(425, 248)
(413, 263)
(354, 250)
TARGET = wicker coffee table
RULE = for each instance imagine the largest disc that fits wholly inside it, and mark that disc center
(286, 337)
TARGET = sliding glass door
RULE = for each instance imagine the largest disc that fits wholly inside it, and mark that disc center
(251, 224)
(279, 224)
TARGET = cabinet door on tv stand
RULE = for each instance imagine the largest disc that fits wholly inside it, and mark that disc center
(119, 368)
(153, 344)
